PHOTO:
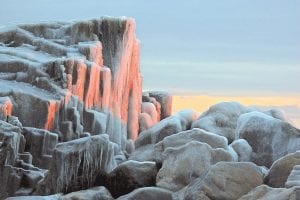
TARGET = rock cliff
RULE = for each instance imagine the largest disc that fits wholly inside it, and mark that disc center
(75, 124)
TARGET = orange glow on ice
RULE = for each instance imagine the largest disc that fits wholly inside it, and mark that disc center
(52, 109)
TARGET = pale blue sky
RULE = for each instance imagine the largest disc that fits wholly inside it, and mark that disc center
(222, 47)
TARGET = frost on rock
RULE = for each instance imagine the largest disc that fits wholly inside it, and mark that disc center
(53, 73)
(70, 99)
(77, 162)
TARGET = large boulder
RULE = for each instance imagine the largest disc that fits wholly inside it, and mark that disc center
(270, 138)
(221, 119)
(168, 126)
(264, 192)
(131, 175)
(181, 165)
(184, 137)
(148, 193)
(281, 169)
(226, 181)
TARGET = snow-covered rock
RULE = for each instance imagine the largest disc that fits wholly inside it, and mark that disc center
(221, 119)
(184, 137)
(270, 138)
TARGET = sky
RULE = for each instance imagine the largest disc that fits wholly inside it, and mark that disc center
(216, 47)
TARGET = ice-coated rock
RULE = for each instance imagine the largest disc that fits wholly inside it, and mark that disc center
(54, 74)
(294, 177)
(264, 192)
(281, 169)
(181, 165)
(145, 122)
(148, 193)
(50, 197)
(243, 150)
(226, 181)
(95, 193)
(150, 109)
(5, 108)
(156, 133)
(144, 153)
(181, 121)
(131, 175)
(16, 176)
(270, 138)
(75, 164)
(165, 99)
(12, 142)
(147, 98)
(40, 143)
(184, 137)
(221, 119)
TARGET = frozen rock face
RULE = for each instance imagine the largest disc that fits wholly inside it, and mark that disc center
(75, 164)
(40, 143)
(59, 76)
(270, 138)
(17, 175)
